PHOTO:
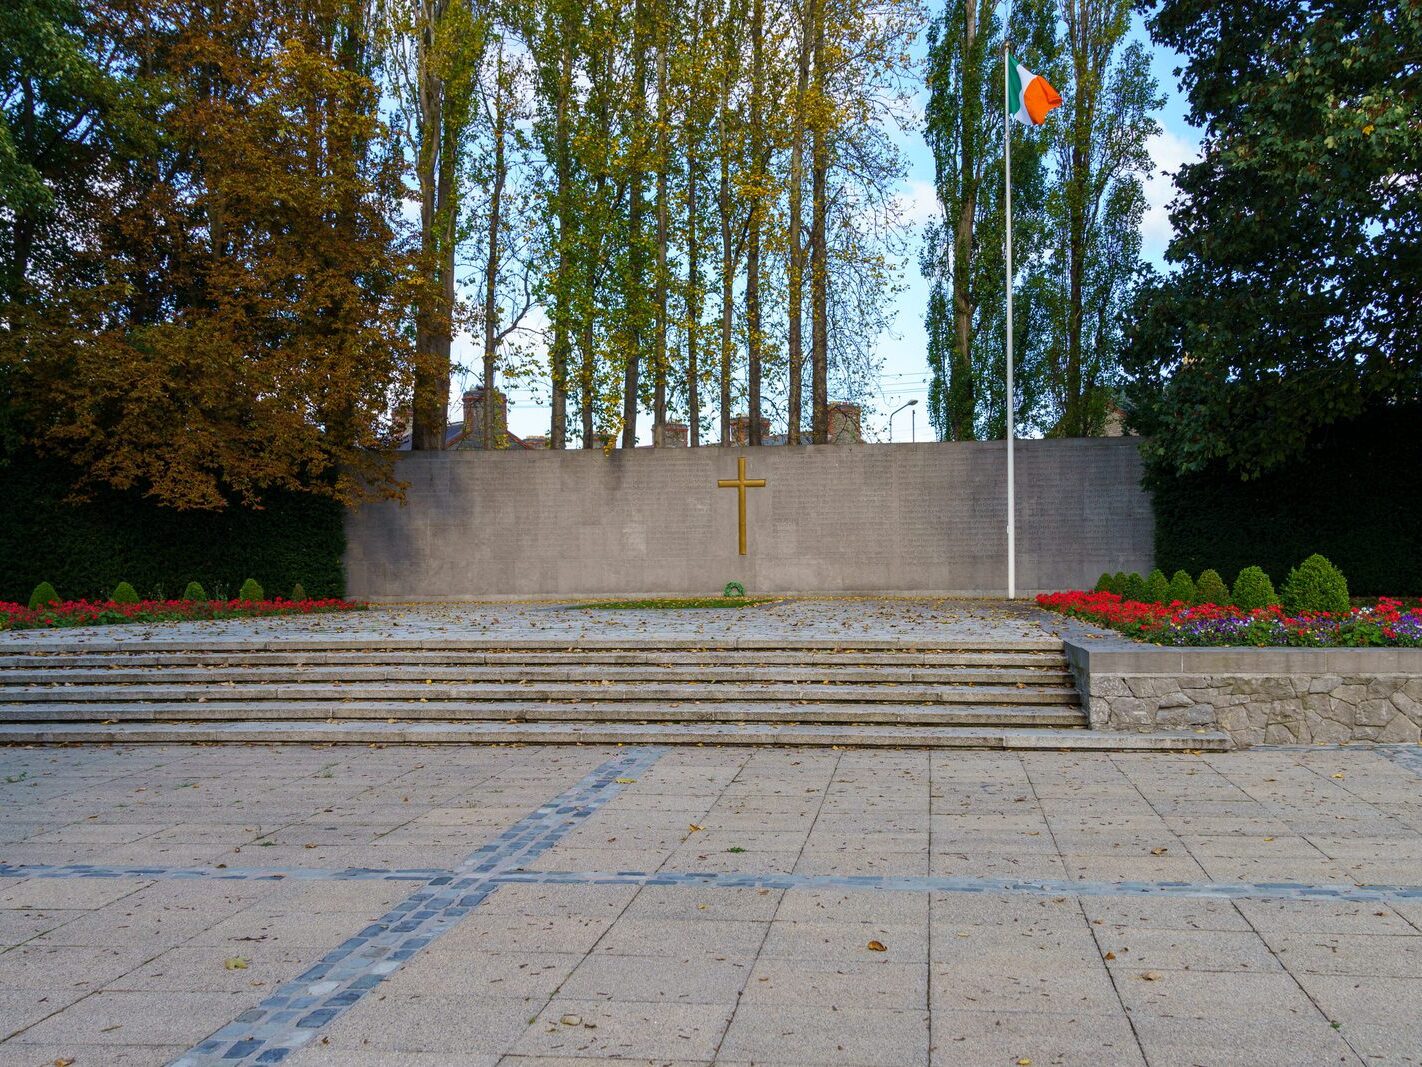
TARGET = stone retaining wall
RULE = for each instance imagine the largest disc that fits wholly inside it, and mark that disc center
(1256, 695)
(910, 518)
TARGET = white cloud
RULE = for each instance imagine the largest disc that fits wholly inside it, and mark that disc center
(1168, 152)
(918, 202)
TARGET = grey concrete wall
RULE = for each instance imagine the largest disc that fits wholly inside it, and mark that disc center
(925, 518)
(1256, 695)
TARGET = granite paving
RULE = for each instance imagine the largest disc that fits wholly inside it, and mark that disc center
(536, 906)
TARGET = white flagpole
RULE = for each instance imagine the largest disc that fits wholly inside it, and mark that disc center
(1011, 406)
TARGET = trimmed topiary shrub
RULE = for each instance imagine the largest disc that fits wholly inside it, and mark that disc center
(1134, 587)
(297, 592)
(1181, 588)
(1253, 589)
(1103, 584)
(1210, 589)
(1118, 583)
(1157, 587)
(194, 591)
(44, 594)
(1315, 585)
(124, 594)
(251, 590)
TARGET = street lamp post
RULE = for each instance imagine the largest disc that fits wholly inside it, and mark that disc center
(896, 410)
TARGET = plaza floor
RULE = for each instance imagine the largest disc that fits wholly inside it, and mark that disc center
(556, 907)
(917, 618)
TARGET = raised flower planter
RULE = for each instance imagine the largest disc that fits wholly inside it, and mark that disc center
(1262, 677)
(1385, 625)
(100, 612)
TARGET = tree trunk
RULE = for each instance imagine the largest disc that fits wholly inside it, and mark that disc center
(961, 402)
(635, 297)
(796, 279)
(819, 258)
(659, 369)
(754, 337)
(562, 313)
(728, 269)
(491, 279)
(434, 173)
(693, 297)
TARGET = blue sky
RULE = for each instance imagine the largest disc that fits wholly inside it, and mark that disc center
(904, 374)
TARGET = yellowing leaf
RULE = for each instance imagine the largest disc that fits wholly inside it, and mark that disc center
(235, 963)
(877, 946)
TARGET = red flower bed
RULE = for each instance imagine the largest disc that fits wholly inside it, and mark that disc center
(1177, 623)
(100, 612)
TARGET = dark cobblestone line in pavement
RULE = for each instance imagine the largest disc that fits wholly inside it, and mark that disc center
(1032, 887)
(294, 1013)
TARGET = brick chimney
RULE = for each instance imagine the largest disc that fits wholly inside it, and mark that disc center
(671, 435)
(844, 423)
(474, 407)
(740, 429)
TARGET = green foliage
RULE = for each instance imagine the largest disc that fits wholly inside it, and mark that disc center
(1182, 588)
(1101, 139)
(1315, 585)
(251, 590)
(124, 593)
(1293, 303)
(298, 592)
(1157, 587)
(195, 591)
(733, 589)
(1104, 583)
(44, 594)
(1211, 588)
(88, 548)
(1118, 583)
(1356, 497)
(1134, 588)
(1253, 590)
(963, 129)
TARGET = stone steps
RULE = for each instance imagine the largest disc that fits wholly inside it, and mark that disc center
(664, 690)
(602, 733)
(376, 657)
(531, 711)
(421, 674)
(586, 693)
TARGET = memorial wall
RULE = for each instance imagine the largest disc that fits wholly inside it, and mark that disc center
(920, 518)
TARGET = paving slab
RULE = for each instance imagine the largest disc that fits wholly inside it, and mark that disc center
(832, 906)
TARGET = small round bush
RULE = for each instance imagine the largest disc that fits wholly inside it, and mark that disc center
(1134, 588)
(1118, 583)
(194, 591)
(44, 594)
(1253, 590)
(1157, 587)
(1211, 589)
(124, 594)
(1181, 588)
(298, 593)
(1315, 585)
(251, 590)
(1103, 584)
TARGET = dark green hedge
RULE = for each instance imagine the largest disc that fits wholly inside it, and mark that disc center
(86, 550)
(1356, 497)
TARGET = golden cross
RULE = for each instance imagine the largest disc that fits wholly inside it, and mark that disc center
(740, 484)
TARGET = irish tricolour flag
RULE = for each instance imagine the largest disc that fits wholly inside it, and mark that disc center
(1029, 95)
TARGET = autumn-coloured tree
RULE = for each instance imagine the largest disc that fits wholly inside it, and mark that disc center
(229, 320)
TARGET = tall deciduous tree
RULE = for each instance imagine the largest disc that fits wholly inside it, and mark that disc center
(1298, 246)
(229, 319)
(1097, 201)
(432, 50)
(963, 255)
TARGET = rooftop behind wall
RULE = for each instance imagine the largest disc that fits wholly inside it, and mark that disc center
(924, 518)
